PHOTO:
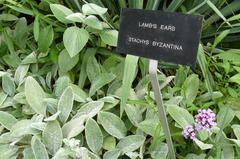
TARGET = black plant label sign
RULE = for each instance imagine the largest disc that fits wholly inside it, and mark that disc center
(171, 37)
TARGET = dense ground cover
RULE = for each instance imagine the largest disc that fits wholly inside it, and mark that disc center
(66, 94)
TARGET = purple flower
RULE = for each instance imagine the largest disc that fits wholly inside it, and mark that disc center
(189, 132)
(205, 119)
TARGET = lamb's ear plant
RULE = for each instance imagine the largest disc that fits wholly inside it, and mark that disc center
(66, 94)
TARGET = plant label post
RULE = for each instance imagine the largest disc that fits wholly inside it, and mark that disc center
(157, 35)
(159, 101)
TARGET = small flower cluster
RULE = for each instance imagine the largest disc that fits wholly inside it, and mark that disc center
(189, 132)
(205, 120)
(74, 145)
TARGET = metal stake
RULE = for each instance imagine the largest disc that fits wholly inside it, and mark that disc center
(162, 114)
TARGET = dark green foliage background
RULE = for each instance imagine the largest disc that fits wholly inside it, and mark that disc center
(32, 44)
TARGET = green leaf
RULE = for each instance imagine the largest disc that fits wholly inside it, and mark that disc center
(122, 3)
(112, 124)
(219, 38)
(7, 120)
(83, 73)
(52, 117)
(225, 116)
(174, 5)
(101, 81)
(109, 37)
(215, 9)
(43, 42)
(65, 104)
(73, 127)
(136, 4)
(109, 102)
(74, 40)
(128, 77)
(203, 134)
(180, 115)
(8, 85)
(61, 12)
(11, 59)
(20, 74)
(235, 79)
(231, 55)
(39, 149)
(37, 125)
(28, 153)
(166, 81)
(92, 68)
(109, 143)
(194, 156)
(36, 28)
(35, 95)
(93, 22)
(3, 98)
(133, 155)
(65, 62)
(113, 154)
(90, 109)
(134, 114)
(228, 151)
(209, 82)
(130, 143)
(61, 84)
(61, 154)
(92, 155)
(153, 5)
(191, 86)
(76, 17)
(52, 136)
(208, 96)
(79, 94)
(91, 8)
(237, 68)
(21, 9)
(160, 151)
(94, 135)
(31, 58)
(21, 128)
(234, 17)
(174, 100)
(8, 17)
(148, 126)
(202, 145)
(8, 152)
(236, 130)
(21, 32)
